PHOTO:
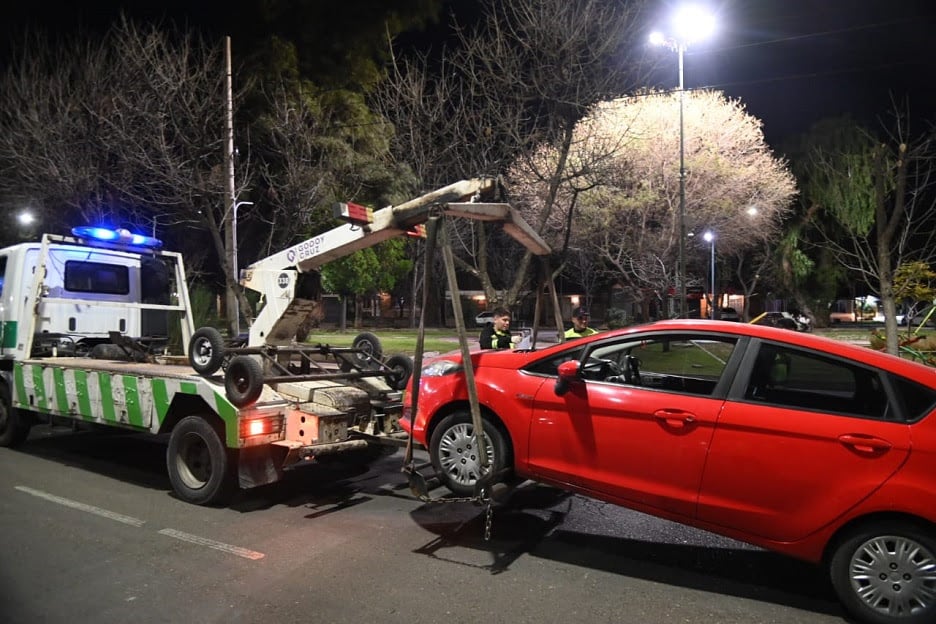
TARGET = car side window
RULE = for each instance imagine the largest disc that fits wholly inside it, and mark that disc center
(918, 401)
(807, 380)
(550, 366)
(677, 363)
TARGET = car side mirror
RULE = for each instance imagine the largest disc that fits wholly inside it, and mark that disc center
(568, 372)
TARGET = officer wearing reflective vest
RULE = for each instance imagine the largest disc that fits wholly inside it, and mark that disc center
(580, 327)
(497, 334)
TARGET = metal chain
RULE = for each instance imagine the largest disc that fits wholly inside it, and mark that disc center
(465, 499)
(488, 520)
(482, 499)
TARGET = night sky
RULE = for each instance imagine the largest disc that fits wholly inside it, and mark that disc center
(791, 62)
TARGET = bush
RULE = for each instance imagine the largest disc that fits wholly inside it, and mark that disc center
(617, 318)
(918, 347)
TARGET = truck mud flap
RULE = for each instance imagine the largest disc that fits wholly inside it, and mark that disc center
(260, 465)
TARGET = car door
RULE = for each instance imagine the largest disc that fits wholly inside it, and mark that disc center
(802, 438)
(640, 436)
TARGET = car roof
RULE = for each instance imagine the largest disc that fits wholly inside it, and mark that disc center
(514, 359)
(908, 368)
(840, 348)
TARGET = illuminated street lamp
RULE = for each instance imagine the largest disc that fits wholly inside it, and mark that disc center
(26, 218)
(691, 23)
(709, 237)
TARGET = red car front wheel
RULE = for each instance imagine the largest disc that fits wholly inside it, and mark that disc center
(455, 452)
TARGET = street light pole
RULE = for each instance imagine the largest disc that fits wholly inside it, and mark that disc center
(690, 23)
(709, 236)
(681, 270)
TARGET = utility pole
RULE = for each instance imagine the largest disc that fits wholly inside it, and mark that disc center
(230, 223)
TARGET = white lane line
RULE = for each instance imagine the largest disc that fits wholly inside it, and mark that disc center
(97, 511)
(204, 541)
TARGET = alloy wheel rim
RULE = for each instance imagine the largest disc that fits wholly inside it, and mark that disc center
(458, 454)
(894, 575)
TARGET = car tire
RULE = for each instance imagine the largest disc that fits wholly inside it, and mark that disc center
(14, 424)
(243, 380)
(454, 454)
(206, 351)
(401, 369)
(200, 467)
(883, 573)
(369, 349)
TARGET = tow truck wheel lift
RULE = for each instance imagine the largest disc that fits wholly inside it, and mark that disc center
(244, 376)
(493, 485)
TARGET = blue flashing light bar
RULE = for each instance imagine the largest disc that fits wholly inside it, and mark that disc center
(116, 237)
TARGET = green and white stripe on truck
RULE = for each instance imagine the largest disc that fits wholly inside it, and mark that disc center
(8, 334)
(114, 398)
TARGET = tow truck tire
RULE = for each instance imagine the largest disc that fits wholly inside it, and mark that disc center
(199, 464)
(401, 369)
(206, 351)
(454, 455)
(370, 348)
(14, 428)
(243, 380)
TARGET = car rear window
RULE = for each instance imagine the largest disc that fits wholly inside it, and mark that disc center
(918, 400)
(807, 380)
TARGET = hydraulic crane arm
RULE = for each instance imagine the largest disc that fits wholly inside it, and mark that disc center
(275, 276)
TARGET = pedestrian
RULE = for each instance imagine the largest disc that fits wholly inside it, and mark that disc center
(497, 334)
(580, 327)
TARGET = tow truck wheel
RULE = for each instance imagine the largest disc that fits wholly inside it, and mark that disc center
(401, 368)
(206, 351)
(454, 452)
(243, 380)
(198, 462)
(14, 429)
(369, 348)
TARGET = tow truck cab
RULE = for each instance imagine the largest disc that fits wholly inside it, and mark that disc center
(85, 292)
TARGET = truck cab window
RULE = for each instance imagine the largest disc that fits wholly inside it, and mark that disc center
(97, 277)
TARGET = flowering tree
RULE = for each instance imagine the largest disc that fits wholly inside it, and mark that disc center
(623, 205)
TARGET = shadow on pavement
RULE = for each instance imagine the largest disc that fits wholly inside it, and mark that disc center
(543, 522)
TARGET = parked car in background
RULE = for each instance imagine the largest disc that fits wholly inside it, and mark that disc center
(919, 317)
(783, 320)
(842, 317)
(729, 314)
(837, 442)
(484, 318)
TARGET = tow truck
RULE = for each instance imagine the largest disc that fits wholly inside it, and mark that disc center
(85, 326)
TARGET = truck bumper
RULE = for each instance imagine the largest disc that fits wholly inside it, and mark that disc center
(262, 465)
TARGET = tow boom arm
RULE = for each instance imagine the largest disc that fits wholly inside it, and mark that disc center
(274, 277)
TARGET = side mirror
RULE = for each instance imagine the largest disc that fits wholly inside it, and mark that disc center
(568, 372)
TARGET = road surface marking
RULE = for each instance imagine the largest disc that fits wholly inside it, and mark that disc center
(97, 511)
(204, 541)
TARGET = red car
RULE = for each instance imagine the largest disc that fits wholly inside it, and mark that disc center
(814, 448)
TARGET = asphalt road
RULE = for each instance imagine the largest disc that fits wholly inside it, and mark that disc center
(89, 532)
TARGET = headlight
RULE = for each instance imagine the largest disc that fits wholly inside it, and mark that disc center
(440, 368)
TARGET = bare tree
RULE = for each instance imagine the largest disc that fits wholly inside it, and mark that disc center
(872, 202)
(522, 78)
(127, 129)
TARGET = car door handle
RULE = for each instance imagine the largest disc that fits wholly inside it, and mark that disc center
(865, 443)
(676, 419)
